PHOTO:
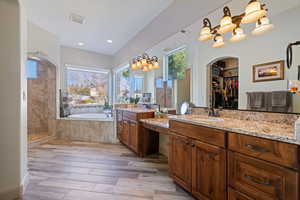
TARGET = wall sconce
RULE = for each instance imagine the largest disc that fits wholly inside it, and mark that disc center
(206, 31)
(238, 35)
(255, 12)
(219, 42)
(262, 26)
(226, 24)
(145, 63)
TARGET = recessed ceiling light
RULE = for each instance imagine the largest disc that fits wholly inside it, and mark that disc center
(80, 44)
(109, 41)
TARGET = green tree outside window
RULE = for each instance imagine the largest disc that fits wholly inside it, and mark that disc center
(177, 64)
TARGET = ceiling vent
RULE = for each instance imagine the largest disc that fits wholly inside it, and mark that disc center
(77, 18)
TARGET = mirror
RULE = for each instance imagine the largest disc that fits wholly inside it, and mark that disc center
(267, 92)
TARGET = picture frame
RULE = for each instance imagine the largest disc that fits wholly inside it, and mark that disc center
(271, 71)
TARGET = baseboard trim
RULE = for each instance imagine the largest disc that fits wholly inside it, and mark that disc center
(11, 194)
(24, 184)
(15, 193)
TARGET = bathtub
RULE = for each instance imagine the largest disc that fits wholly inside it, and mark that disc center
(87, 127)
(92, 116)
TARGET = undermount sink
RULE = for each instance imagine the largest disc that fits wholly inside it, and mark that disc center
(211, 119)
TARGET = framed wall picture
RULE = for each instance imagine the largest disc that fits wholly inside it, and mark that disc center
(268, 71)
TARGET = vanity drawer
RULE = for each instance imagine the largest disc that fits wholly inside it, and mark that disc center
(269, 150)
(235, 195)
(261, 180)
(201, 133)
(130, 116)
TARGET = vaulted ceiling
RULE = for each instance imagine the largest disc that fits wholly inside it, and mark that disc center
(116, 20)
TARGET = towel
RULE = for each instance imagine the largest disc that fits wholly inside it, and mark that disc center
(256, 99)
(280, 98)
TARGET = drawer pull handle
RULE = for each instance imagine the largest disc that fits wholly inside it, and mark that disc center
(257, 181)
(257, 148)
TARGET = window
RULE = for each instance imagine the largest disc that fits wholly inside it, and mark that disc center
(122, 85)
(138, 86)
(87, 86)
(177, 64)
(128, 84)
(32, 69)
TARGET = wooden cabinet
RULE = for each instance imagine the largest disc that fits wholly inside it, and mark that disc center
(181, 165)
(119, 124)
(133, 139)
(215, 165)
(208, 171)
(235, 195)
(198, 167)
(130, 131)
(125, 132)
(262, 180)
(269, 150)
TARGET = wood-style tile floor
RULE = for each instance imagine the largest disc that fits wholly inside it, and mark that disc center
(81, 171)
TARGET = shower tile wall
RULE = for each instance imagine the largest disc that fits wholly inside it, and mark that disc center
(41, 102)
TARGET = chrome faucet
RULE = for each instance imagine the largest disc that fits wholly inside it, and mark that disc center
(213, 113)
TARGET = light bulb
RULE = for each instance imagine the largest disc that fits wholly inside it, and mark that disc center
(226, 25)
(254, 12)
(145, 69)
(134, 66)
(262, 26)
(205, 34)
(156, 65)
(144, 61)
(219, 42)
(139, 64)
(238, 35)
(150, 66)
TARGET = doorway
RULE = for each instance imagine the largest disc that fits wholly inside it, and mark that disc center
(41, 90)
(223, 83)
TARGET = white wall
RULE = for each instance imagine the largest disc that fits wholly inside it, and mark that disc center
(255, 50)
(85, 58)
(43, 41)
(13, 109)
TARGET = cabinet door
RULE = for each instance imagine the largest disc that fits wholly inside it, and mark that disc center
(208, 171)
(119, 125)
(234, 195)
(119, 129)
(181, 161)
(125, 132)
(262, 180)
(133, 137)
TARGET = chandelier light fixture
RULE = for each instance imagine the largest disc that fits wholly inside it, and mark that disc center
(254, 12)
(145, 63)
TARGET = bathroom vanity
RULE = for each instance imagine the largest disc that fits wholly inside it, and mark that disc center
(234, 159)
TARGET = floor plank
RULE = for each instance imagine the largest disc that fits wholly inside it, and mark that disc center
(62, 170)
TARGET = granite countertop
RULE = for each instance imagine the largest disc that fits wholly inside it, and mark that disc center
(136, 110)
(268, 130)
(161, 122)
(140, 109)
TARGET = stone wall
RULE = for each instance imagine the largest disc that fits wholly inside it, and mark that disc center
(42, 101)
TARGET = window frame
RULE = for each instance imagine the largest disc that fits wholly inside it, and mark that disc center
(88, 69)
(37, 69)
(131, 79)
(166, 60)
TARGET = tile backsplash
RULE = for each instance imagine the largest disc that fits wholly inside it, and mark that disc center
(252, 115)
